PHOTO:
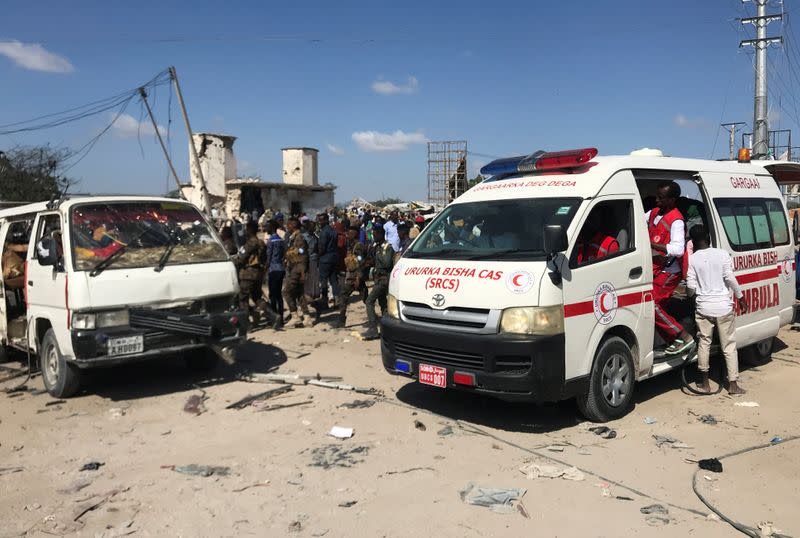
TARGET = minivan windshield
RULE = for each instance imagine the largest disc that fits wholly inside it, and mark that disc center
(493, 230)
(118, 235)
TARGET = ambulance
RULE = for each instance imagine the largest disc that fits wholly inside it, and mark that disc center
(493, 297)
(90, 282)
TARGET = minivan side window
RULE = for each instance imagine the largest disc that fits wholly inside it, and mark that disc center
(753, 223)
(607, 232)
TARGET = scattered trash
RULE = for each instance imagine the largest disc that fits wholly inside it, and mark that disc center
(746, 404)
(555, 448)
(623, 498)
(76, 486)
(649, 420)
(343, 386)
(662, 440)
(713, 517)
(444, 432)
(54, 402)
(536, 470)
(199, 470)
(116, 412)
(419, 425)
(657, 515)
(711, 464)
(776, 440)
(341, 433)
(605, 489)
(264, 406)
(359, 404)
(9, 470)
(256, 485)
(17, 448)
(85, 508)
(330, 456)
(708, 419)
(305, 422)
(603, 431)
(347, 504)
(496, 499)
(290, 379)
(295, 526)
(767, 528)
(194, 404)
(92, 466)
(247, 400)
(408, 471)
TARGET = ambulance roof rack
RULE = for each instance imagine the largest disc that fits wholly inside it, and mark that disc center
(539, 161)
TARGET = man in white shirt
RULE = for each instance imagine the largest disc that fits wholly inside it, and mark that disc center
(392, 237)
(710, 278)
(666, 228)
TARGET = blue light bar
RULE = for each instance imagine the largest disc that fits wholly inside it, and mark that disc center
(511, 165)
(402, 366)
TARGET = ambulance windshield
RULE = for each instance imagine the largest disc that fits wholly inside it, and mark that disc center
(493, 230)
(138, 234)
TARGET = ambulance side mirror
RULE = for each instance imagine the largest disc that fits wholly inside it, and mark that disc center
(555, 239)
(46, 252)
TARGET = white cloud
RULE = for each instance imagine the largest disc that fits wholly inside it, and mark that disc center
(685, 122)
(336, 150)
(396, 141)
(35, 57)
(127, 126)
(386, 87)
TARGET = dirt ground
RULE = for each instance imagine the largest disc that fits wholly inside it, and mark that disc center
(414, 449)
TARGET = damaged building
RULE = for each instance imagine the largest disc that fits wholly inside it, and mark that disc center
(297, 192)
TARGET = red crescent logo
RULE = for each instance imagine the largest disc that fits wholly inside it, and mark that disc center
(514, 281)
(602, 302)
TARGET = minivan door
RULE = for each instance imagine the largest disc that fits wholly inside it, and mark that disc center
(46, 285)
(4, 225)
(609, 282)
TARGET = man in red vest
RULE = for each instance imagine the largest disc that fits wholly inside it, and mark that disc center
(666, 228)
(593, 247)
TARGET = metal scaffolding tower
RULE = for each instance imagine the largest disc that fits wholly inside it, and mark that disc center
(447, 171)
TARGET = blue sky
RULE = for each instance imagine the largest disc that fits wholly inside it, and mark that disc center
(368, 82)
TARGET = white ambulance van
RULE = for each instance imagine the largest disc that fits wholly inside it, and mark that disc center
(493, 297)
(97, 281)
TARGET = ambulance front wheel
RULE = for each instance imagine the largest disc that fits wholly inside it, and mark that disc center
(611, 383)
(759, 353)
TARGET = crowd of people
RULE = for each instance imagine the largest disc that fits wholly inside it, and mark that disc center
(309, 266)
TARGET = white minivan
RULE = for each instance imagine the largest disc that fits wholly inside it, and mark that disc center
(493, 296)
(98, 281)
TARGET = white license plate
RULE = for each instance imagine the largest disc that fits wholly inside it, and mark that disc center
(126, 345)
(432, 375)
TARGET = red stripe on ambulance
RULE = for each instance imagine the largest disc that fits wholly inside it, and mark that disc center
(627, 299)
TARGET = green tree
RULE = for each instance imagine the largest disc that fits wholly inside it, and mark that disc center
(32, 174)
(386, 201)
(474, 181)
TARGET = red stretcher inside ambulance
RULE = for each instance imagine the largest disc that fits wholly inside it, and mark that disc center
(538, 283)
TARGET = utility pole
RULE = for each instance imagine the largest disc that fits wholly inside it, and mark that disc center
(206, 203)
(760, 44)
(143, 93)
(732, 128)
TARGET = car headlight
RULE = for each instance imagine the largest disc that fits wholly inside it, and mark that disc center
(113, 318)
(542, 320)
(83, 321)
(392, 307)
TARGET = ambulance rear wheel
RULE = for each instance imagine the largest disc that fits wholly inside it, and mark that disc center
(759, 353)
(611, 383)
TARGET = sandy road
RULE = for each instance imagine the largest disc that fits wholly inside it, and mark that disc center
(393, 478)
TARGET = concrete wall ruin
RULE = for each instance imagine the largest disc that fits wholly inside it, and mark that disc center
(300, 166)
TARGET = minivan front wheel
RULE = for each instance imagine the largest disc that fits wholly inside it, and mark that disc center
(61, 379)
(611, 382)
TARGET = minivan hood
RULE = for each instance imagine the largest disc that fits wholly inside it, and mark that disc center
(467, 284)
(141, 286)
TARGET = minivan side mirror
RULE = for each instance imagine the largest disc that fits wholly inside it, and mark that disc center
(46, 252)
(555, 239)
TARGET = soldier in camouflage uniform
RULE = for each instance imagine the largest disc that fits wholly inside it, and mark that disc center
(384, 262)
(296, 263)
(353, 262)
(251, 273)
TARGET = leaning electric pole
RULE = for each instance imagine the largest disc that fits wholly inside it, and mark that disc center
(760, 44)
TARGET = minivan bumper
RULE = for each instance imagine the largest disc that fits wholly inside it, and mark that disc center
(506, 366)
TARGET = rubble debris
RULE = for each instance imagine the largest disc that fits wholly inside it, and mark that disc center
(289, 379)
(54, 402)
(555, 448)
(194, 404)
(343, 386)
(657, 515)
(537, 470)
(359, 404)
(603, 431)
(746, 404)
(500, 500)
(710, 464)
(256, 485)
(247, 400)
(76, 486)
(199, 470)
(418, 424)
(87, 507)
(623, 498)
(263, 406)
(775, 440)
(347, 504)
(767, 528)
(411, 470)
(649, 420)
(341, 432)
(708, 419)
(330, 456)
(662, 440)
(10, 470)
(444, 432)
(116, 412)
(92, 466)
